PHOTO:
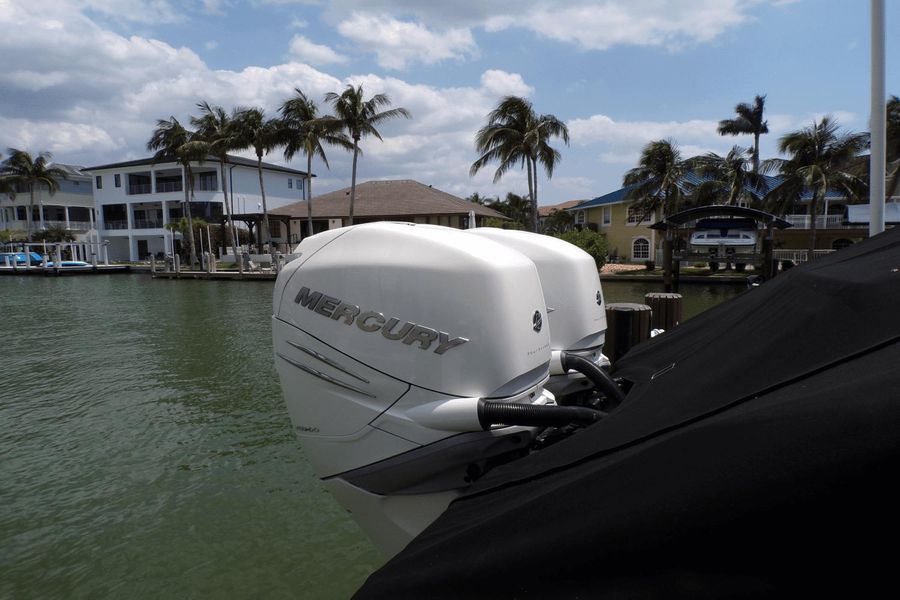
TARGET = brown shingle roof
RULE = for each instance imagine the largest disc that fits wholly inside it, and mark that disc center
(544, 211)
(394, 198)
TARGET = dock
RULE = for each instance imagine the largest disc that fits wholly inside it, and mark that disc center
(62, 271)
(217, 275)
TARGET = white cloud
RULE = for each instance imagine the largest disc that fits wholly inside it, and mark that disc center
(396, 43)
(211, 45)
(304, 50)
(502, 83)
(588, 24)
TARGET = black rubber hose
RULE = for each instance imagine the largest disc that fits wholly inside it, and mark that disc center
(541, 415)
(598, 376)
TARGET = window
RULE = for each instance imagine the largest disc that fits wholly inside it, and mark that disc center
(117, 180)
(640, 249)
(607, 215)
(275, 228)
(579, 217)
(634, 213)
(99, 180)
(290, 183)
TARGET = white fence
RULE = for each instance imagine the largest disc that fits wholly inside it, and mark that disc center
(822, 222)
(798, 256)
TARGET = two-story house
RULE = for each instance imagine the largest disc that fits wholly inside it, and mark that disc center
(136, 199)
(70, 207)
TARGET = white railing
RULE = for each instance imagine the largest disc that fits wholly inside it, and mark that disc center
(115, 224)
(798, 256)
(168, 186)
(822, 222)
(139, 188)
(148, 224)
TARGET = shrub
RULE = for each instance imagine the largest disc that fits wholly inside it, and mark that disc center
(590, 241)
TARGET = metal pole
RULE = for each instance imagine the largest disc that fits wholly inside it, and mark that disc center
(877, 122)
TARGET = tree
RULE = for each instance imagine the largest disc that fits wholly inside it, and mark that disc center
(656, 181)
(749, 120)
(359, 118)
(821, 159)
(216, 130)
(54, 234)
(557, 222)
(171, 140)
(516, 207)
(187, 227)
(253, 130)
(728, 176)
(516, 135)
(22, 169)
(591, 242)
(893, 146)
(304, 130)
(7, 185)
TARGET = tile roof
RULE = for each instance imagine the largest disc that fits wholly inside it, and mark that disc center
(392, 198)
(544, 211)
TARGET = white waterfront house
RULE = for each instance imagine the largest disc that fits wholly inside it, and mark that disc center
(71, 207)
(136, 199)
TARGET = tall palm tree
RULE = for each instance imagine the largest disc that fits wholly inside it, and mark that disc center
(306, 131)
(729, 176)
(21, 168)
(6, 183)
(217, 131)
(516, 135)
(171, 140)
(893, 145)
(821, 159)
(263, 135)
(656, 181)
(748, 120)
(359, 118)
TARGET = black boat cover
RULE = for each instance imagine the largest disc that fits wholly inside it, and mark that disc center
(756, 454)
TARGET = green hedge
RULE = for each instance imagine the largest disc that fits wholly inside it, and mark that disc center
(590, 241)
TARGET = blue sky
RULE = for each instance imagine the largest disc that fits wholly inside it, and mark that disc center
(86, 79)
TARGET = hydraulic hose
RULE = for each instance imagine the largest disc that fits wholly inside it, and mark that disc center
(541, 415)
(598, 376)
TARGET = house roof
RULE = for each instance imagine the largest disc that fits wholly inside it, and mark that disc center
(392, 198)
(544, 211)
(692, 179)
(232, 160)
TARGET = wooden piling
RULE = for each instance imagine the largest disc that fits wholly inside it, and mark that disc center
(665, 310)
(627, 324)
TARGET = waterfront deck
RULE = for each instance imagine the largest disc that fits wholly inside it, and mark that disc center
(66, 271)
(217, 275)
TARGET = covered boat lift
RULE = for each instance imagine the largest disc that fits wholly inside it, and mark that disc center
(685, 219)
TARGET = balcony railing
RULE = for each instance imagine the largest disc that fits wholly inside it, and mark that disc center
(798, 256)
(139, 188)
(206, 186)
(72, 225)
(168, 186)
(148, 224)
(115, 225)
(822, 222)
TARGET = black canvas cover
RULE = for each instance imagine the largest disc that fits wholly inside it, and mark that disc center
(756, 455)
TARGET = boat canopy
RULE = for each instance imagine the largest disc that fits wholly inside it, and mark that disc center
(756, 453)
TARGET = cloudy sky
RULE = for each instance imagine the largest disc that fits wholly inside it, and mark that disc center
(86, 79)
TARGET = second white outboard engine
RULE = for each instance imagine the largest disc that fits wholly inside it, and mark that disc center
(575, 307)
(412, 360)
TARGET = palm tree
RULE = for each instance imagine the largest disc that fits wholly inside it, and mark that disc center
(893, 145)
(21, 168)
(6, 183)
(821, 159)
(728, 176)
(749, 119)
(656, 181)
(359, 118)
(171, 140)
(516, 207)
(263, 135)
(216, 129)
(305, 131)
(516, 135)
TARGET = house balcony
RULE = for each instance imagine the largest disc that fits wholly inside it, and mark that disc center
(148, 224)
(135, 189)
(116, 224)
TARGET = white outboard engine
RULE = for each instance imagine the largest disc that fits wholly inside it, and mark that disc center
(575, 306)
(412, 360)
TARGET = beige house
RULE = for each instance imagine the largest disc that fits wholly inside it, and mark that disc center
(617, 219)
(393, 200)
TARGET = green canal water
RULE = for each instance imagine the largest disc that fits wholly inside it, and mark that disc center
(145, 451)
